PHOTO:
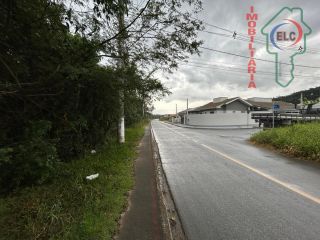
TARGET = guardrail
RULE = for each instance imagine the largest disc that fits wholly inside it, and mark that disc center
(279, 116)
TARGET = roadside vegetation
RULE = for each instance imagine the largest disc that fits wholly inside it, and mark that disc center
(300, 140)
(69, 71)
(71, 207)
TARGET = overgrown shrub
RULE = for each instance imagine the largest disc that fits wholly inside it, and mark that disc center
(298, 139)
(29, 161)
(56, 99)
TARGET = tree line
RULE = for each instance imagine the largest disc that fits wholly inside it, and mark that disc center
(62, 71)
(295, 98)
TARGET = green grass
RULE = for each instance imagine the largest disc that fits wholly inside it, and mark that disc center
(301, 140)
(71, 207)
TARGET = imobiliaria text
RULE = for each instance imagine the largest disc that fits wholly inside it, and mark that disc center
(252, 18)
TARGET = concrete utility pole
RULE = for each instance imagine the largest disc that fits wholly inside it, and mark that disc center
(187, 110)
(121, 64)
(176, 111)
(248, 111)
(273, 115)
(272, 118)
(143, 107)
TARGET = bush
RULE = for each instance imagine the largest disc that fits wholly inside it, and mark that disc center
(299, 139)
(70, 207)
(53, 86)
(29, 161)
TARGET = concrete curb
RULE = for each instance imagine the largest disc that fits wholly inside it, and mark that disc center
(170, 216)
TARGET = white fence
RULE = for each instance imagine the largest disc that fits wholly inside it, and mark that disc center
(176, 119)
(221, 119)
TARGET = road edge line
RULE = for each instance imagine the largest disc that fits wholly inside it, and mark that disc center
(170, 213)
(265, 175)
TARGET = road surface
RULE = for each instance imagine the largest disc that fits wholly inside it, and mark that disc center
(225, 188)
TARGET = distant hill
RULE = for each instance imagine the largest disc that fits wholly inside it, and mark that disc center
(311, 94)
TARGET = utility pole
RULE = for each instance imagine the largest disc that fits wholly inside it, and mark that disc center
(272, 117)
(301, 104)
(187, 110)
(176, 110)
(143, 108)
(122, 60)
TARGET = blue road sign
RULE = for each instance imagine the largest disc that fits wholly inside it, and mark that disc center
(275, 106)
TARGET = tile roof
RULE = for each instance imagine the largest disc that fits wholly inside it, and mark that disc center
(265, 105)
(212, 105)
(268, 105)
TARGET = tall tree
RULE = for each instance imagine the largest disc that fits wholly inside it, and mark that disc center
(152, 35)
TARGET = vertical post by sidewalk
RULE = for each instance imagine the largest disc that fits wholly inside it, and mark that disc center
(187, 111)
(272, 117)
(143, 107)
(121, 64)
(176, 113)
(184, 118)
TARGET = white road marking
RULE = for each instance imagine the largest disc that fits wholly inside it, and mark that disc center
(265, 175)
(176, 132)
(275, 180)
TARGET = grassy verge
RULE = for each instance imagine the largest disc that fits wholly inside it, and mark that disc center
(71, 207)
(301, 140)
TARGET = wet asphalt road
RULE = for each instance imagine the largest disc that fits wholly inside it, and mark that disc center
(225, 188)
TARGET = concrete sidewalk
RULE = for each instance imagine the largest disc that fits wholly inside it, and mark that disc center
(142, 221)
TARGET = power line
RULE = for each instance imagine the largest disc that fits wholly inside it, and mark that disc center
(246, 39)
(209, 62)
(238, 33)
(245, 69)
(230, 65)
(258, 59)
(221, 69)
(244, 72)
(247, 57)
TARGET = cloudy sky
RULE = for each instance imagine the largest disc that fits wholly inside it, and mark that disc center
(216, 74)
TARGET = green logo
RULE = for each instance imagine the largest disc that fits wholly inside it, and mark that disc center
(286, 35)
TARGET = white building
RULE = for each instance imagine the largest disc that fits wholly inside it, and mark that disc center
(228, 112)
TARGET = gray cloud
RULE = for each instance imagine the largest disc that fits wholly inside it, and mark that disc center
(203, 83)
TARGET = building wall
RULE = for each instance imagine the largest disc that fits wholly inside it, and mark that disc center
(236, 106)
(207, 112)
(221, 119)
(176, 119)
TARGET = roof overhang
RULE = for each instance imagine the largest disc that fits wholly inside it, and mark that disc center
(238, 98)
